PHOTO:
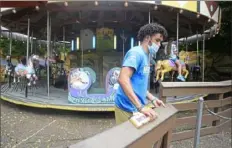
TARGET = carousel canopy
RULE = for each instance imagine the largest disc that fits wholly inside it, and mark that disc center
(119, 15)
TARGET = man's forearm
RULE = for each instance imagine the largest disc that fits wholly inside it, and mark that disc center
(150, 96)
(128, 90)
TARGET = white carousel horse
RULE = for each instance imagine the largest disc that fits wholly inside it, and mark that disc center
(27, 70)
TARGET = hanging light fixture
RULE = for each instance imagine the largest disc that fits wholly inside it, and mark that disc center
(14, 10)
(209, 20)
(198, 15)
(181, 11)
(65, 4)
(96, 3)
(37, 8)
(126, 4)
(155, 7)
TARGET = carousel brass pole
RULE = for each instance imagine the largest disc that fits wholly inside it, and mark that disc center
(50, 35)
(10, 42)
(177, 32)
(0, 23)
(48, 51)
(28, 38)
(197, 49)
(82, 56)
(31, 42)
(186, 44)
(64, 41)
(203, 56)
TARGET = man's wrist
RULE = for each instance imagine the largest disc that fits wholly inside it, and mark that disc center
(154, 98)
(139, 108)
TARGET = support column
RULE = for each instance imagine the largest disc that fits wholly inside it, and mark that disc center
(10, 42)
(177, 32)
(64, 42)
(28, 37)
(32, 42)
(203, 56)
(48, 52)
(197, 50)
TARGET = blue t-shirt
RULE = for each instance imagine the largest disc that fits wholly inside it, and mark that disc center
(138, 59)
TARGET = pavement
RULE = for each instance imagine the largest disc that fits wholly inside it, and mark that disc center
(25, 127)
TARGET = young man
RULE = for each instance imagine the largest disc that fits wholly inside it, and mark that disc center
(174, 58)
(133, 79)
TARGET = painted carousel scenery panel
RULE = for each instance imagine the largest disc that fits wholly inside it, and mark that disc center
(188, 5)
(105, 39)
(210, 9)
(80, 81)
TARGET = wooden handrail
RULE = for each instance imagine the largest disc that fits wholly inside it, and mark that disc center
(196, 84)
(169, 89)
(126, 135)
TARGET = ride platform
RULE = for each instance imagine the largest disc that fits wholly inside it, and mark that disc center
(58, 99)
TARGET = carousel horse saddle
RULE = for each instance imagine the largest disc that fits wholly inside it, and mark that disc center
(23, 68)
(173, 64)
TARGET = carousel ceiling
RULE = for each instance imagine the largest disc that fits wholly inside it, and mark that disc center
(87, 14)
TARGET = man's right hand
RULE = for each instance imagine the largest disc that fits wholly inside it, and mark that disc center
(149, 113)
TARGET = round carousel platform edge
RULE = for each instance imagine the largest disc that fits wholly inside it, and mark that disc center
(60, 107)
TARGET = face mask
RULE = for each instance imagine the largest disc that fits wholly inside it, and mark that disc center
(153, 48)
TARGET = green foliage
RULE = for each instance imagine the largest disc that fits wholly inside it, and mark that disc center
(19, 48)
(41, 51)
(61, 49)
(222, 42)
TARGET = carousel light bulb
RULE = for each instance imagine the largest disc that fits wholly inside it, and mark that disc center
(155, 7)
(198, 15)
(65, 4)
(14, 11)
(37, 8)
(181, 11)
(126, 4)
(214, 35)
(96, 3)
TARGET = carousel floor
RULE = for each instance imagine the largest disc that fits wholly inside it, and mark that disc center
(58, 99)
(37, 97)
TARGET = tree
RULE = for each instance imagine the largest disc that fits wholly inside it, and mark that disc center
(19, 48)
(222, 42)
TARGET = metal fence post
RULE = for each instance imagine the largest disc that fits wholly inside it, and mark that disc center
(198, 122)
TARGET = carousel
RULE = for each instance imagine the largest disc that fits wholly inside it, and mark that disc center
(84, 43)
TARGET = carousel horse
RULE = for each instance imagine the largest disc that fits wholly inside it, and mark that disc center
(165, 66)
(26, 69)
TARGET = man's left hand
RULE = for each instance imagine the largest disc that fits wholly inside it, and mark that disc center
(158, 103)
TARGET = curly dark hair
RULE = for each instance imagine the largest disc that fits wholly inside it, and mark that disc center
(151, 29)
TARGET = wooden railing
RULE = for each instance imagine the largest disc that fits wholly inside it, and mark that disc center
(155, 134)
(218, 100)
(166, 128)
